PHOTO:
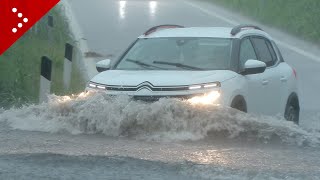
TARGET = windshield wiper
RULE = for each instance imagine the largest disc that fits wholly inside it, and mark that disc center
(143, 64)
(177, 65)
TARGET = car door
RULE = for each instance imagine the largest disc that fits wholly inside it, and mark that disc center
(256, 88)
(269, 80)
(286, 75)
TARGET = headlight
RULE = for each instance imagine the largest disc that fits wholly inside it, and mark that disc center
(206, 99)
(205, 86)
(97, 86)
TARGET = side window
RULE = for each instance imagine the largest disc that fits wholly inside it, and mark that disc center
(263, 50)
(246, 51)
(273, 53)
(278, 51)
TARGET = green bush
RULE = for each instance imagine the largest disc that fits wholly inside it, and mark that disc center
(20, 65)
(299, 17)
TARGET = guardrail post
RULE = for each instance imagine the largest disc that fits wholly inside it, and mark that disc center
(45, 79)
(67, 68)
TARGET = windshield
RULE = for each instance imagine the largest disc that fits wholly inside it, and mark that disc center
(178, 54)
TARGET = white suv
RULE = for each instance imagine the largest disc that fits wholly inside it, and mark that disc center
(240, 67)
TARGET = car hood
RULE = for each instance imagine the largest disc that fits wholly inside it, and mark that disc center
(161, 78)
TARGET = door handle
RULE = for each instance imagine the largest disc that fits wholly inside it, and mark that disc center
(283, 79)
(265, 82)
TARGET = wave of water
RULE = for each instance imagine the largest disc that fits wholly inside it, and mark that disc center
(167, 119)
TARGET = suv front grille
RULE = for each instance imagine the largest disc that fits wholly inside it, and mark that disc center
(145, 84)
(156, 98)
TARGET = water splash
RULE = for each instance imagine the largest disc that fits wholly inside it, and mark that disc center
(166, 119)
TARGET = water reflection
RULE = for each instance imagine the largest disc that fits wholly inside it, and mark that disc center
(153, 7)
(122, 9)
(210, 156)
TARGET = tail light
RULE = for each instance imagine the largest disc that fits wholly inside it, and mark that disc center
(294, 72)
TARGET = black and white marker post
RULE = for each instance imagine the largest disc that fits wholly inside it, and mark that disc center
(50, 29)
(67, 68)
(45, 79)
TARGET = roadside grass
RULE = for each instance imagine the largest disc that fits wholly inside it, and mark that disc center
(299, 17)
(20, 65)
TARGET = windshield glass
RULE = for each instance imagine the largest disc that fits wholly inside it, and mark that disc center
(178, 54)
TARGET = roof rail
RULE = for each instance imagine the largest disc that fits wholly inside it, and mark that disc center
(241, 27)
(164, 26)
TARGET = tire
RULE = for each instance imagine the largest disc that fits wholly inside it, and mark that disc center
(292, 111)
(239, 103)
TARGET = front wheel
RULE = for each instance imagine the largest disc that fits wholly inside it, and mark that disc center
(292, 110)
(239, 103)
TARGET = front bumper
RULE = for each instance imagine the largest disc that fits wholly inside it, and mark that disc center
(212, 96)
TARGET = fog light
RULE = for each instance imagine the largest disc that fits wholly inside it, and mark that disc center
(208, 98)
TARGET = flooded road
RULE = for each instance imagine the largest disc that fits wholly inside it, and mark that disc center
(100, 137)
(95, 137)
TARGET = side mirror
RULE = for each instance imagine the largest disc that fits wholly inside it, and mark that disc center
(103, 65)
(254, 67)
